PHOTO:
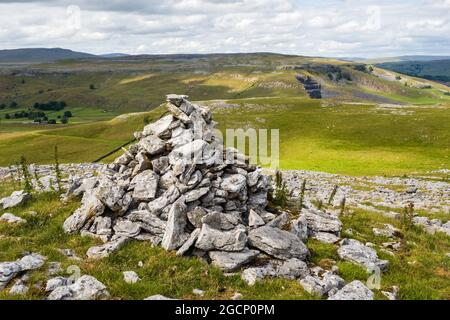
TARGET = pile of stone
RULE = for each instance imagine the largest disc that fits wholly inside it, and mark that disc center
(178, 187)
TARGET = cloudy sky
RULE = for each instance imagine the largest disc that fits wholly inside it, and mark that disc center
(351, 28)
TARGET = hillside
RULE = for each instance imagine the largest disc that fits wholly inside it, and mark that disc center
(436, 70)
(423, 58)
(36, 55)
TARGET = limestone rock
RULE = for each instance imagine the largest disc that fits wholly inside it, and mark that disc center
(102, 251)
(145, 185)
(10, 218)
(355, 290)
(126, 228)
(148, 222)
(254, 220)
(322, 285)
(19, 288)
(54, 283)
(16, 198)
(175, 235)
(280, 221)
(213, 239)
(130, 277)
(160, 127)
(9, 270)
(230, 261)
(158, 297)
(91, 207)
(299, 227)
(355, 251)
(293, 269)
(253, 274)
(278, 243)
(325, 237)
(189, 242)
(152, 145)
(84, 288)
(321, 222)
(234, 183)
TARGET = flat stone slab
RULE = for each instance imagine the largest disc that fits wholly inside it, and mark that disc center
(230, 261)
(278, 243)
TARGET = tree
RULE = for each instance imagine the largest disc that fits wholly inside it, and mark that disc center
(52, 121)
(2, 106)
(7, 116)
(13, 104)
(92, 87)
(64, 120)
(68, 114)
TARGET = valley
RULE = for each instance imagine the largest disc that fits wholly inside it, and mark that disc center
(368, 120)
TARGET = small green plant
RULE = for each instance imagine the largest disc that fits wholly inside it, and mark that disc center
(301, 197)
(13, 177)
(407, 217)
(342, 205)
(281, 192)
(57, 169)
(26, 176)
(333, 193)
(38, 180)
(319, 204)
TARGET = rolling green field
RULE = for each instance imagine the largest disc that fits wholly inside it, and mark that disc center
(350, 139)
(369, 122)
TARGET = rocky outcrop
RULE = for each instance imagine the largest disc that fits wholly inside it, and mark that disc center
(312, 87)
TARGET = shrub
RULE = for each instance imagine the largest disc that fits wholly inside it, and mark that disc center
(301, 197)
(67, 114)
(281, 193)
(26, 177)
(58, 173)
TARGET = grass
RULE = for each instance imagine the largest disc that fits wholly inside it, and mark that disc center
(421, 269)
(348, 139)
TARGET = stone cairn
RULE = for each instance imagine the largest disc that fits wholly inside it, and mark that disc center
(178, 187)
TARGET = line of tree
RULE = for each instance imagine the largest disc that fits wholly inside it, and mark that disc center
(39, 116)
(52, 105)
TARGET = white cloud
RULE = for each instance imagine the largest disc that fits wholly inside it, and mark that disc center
(324, 27)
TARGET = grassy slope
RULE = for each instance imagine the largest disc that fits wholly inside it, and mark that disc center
(421, 270)
(350, 139)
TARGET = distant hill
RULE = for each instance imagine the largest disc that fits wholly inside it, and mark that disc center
(400, 59)
(34, 55)
(436, 70)
(114, 55)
